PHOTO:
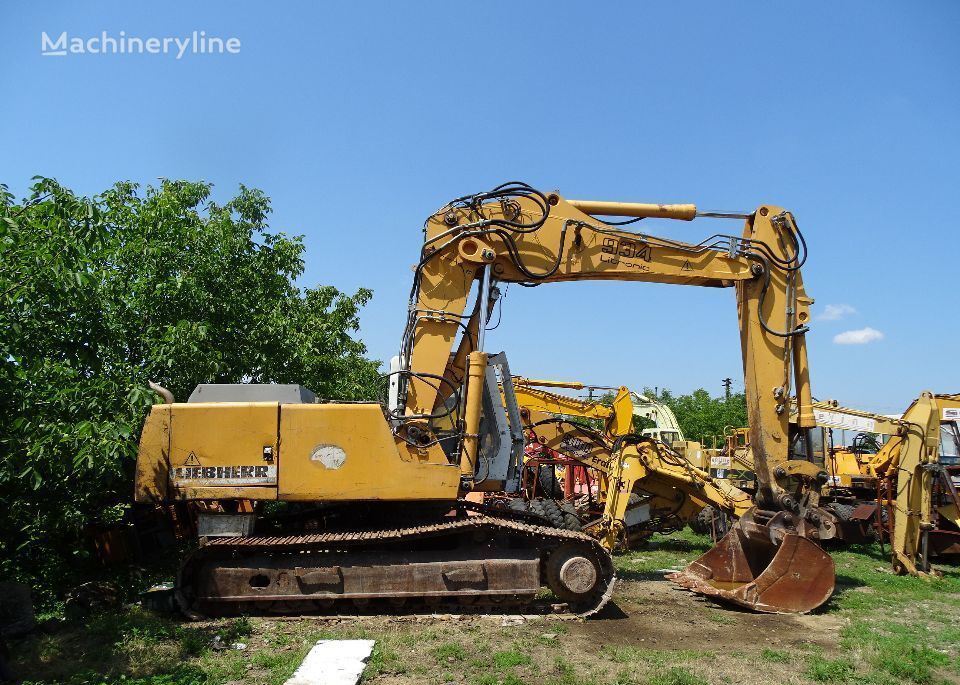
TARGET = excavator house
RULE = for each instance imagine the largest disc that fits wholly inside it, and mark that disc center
(377, 495)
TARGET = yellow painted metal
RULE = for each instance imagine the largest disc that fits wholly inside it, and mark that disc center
(153, 460)
(673, 487)
(617, 417)
(223, 445)
(842, 465)
(904, 459)
(471, 437)
(545, 383)
(950, 511)
(235, 492)
(685, 212)
(570, 245)
(695, 453)
(916, 449)
(845, 467)
(767, 373)
(373, 462)
(589, 252)
(343, 451)
(804, 398)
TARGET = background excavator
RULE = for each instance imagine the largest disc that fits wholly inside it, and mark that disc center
(887, 484)
(378, 511)
(656, 419)
(913, 486)
(844, 488)
(664, 489)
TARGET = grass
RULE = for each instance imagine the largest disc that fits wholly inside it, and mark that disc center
(823, 670)
(901, 629)
(775, 656)
(661, 552)
(890, 630)
(656, 657)
(675, 675)
(450, 652)
(510, 658)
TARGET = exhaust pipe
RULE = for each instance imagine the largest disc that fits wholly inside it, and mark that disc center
(162, 391)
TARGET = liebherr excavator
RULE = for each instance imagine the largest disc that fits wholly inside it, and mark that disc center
(386, 518)
(643, 485)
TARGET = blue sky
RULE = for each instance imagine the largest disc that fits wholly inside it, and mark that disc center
(359, 119)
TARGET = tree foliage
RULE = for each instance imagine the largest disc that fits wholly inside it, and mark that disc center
(100, 294)
(701, 416)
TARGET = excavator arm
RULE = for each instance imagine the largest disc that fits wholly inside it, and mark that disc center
(617, 417)
(516, 234)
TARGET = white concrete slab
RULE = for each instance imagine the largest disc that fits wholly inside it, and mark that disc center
(333, 662)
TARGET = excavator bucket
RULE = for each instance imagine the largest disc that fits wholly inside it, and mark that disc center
(748, 569)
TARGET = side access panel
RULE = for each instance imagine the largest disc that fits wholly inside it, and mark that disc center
(344, 452)
(222, 450)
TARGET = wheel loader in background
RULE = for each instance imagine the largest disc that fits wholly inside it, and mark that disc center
(376, 507)
(631, 485)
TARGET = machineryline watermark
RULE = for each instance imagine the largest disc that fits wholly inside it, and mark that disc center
(197, 43)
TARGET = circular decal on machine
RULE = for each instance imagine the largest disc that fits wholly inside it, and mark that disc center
(330, 456)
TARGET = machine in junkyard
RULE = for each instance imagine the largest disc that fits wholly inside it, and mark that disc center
(377, 495)
(888, 484)
(621, 485)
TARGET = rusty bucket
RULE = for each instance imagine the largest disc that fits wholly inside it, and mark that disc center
(747, 567)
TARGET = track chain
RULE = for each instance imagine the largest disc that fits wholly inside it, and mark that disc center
(541, 536)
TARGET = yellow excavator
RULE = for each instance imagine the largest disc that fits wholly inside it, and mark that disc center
(907, 473)
(898, 489)
(664, 490)
(843, 489)
(376, 507)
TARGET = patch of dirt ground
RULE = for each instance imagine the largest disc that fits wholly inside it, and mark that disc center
(658, 615)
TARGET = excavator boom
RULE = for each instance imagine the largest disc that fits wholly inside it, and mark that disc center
(516, 234)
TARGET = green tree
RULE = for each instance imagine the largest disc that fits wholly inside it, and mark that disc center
(100, 294)
(701, 416)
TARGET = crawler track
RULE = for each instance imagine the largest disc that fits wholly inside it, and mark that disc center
(480, 561)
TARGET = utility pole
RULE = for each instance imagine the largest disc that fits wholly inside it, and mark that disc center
(727, 382)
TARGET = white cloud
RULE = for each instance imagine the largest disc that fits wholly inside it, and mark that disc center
(835, 312)
(861, 336)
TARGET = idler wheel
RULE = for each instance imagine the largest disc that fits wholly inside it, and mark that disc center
(571, 575)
